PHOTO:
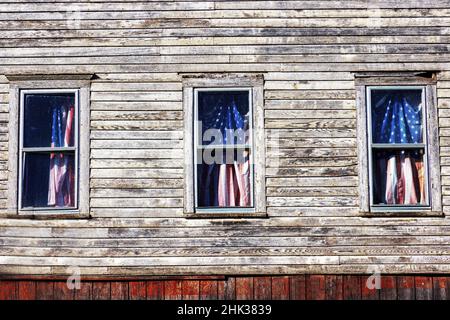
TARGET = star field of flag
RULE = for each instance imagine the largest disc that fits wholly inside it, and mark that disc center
(220, 111)
(397, 118)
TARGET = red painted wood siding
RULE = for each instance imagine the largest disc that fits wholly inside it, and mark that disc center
(297, 287)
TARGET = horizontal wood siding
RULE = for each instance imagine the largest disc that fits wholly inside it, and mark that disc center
(295, 287)
(307, 52)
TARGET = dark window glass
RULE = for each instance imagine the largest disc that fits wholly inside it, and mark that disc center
(49, 120)
(48, 180)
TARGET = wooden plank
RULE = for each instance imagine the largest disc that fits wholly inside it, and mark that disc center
(208, 289)
(8, 290)
(26, 290)
(262, 287)
(137, 290)
(297, 287)
(226, 290)
(366, 292)
(101, 290)
(190, 289)
(244, 288)
(351, 287)
(85, 292)
(388, 288)
(406, 288)
(155, 290)
(172, 290)
(424, 288)
(45, 290)
(315, 287)
(333, 287)
(62, 292)
(440, 288)
(119, 290)
(280, 288)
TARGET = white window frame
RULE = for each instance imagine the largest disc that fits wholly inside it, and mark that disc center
(250, 146)
(427, 82)
(397, 146)
(194, 83)
(23, 84)
(23, 150)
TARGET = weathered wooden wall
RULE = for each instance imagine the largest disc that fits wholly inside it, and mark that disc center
(295, 287)
(307, 51)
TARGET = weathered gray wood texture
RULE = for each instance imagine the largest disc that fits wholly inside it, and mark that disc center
(307, 51)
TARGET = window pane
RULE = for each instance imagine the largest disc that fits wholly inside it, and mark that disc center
(223, 178)
(223, 117)
(399, 177)
(49, 120)
(397, 116)
(48, 180)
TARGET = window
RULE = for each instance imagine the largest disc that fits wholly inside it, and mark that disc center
(398, 150)
(48, 150)
(224, 146)
(49, 147)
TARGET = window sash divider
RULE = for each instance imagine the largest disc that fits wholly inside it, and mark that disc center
(50, 149)
(224, 146)
(399, 146)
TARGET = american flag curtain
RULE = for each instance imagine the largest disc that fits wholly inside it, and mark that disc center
(399, 175)
(62, 176)
(227, 183)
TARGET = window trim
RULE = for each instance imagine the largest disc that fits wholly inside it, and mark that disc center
(81, 83)
(226, 82)
(363, 82)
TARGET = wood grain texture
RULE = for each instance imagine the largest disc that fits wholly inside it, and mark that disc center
(264, 288)
(406, 288)
(351, 288)
(119, 290)
(85, 292)
(275, 287)
(333, 287)
(244, 288)
(26, 290)
(45, 290)
(369, 291)
(298, 287)
(8, 290)
(388, 288)
(280, 288)
(424, 288)
(62, 291)
(307, 64)
(315, 287)
(101, 290)
(190, 289)
(137, 290)
(208, 289)
(173, 290)
(155, 290)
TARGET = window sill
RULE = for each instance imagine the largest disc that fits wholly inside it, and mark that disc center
(44, 215)
(402, 214)
(225, 215)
